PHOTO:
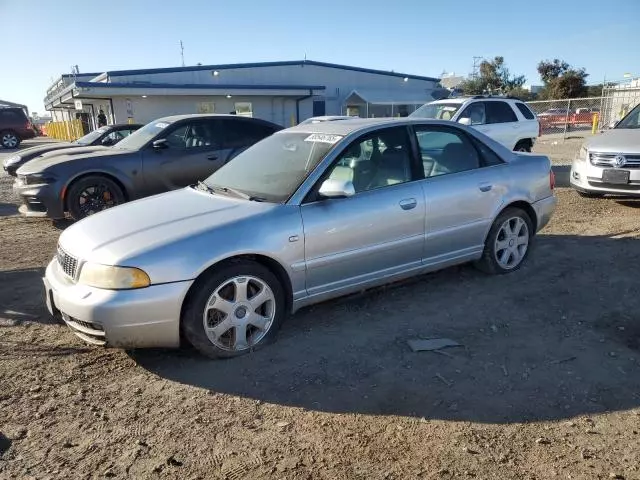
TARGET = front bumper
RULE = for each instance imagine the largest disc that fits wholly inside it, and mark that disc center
(43, 200)
(544, 210)
(146, 317)
(586, 177)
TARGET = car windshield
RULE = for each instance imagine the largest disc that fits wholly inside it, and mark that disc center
(274, 168)
(437, 111)
(140, 137)
(89, 138)
(632, 120)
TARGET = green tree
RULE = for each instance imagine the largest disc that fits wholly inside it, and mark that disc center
(494, 77)
(561, 80)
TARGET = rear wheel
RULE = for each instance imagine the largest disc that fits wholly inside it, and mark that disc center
(9, 139)
(507, 244)
(93, 194)
(234, 310)
(523, 146)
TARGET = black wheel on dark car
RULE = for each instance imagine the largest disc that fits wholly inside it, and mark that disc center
(9, 139)
(234, 310)
(91, 195)
(507, 244)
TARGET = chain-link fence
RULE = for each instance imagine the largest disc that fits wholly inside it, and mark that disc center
(581, 117)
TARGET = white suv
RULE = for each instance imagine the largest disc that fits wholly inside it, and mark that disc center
(505, 119)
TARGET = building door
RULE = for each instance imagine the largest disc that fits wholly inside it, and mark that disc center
(319, 108)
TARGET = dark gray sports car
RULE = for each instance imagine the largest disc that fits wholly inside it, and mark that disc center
(166, 154)
(104, 136)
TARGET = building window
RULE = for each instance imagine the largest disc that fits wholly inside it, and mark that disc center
(206, 107)
(244, 109)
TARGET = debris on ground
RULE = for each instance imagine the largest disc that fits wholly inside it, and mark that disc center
(429, 344)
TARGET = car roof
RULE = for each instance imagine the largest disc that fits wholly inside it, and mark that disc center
(125, 125)
(346, 127)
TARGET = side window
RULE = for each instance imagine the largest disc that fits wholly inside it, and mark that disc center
(177, 138)
(445, 151)
(500, 112)
(239, 134)
(524, 110)
(376, 160)
(475, 113)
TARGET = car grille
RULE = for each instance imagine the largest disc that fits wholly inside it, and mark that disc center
(68, 263)
(632, 160)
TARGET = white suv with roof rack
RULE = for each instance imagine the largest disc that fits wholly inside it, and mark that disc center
(507, 120)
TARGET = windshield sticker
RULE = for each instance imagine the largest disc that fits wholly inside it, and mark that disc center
(322, 138)
(161, 125)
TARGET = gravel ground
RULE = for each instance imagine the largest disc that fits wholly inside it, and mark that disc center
(547, 384)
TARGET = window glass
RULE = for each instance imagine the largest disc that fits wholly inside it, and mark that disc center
(376, 160)
(475, 113)
(243, 109)
(499, 112)
(238, 133)
(178, 138)
(524, 110)
(445, 151)
(632, 120)
(437, 111)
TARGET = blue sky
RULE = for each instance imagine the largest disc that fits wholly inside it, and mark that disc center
(422, 37)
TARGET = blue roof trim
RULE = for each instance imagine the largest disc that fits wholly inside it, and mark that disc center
(69, 75)
(228, 66)
(201, 86)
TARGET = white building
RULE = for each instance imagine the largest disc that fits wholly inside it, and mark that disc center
(282, 92)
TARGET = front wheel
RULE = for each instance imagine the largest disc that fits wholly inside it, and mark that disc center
(234, 310)
(507, 244)
(93, 194)
(9, 140)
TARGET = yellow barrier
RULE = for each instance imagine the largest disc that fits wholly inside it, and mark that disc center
(68, 131)
(594, 124)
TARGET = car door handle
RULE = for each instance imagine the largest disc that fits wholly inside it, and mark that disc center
(485, 187)
(408, 203)
(212, 157)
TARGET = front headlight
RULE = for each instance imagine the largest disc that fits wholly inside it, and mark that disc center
(113, 278)
(36, 179)
(582, 154)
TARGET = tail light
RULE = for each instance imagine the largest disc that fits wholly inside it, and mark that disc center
(28, 125)
(552, 180)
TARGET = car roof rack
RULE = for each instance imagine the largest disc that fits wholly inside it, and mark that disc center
(488, 95)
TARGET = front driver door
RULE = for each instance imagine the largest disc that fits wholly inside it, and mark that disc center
(191, 152)
(376, 232)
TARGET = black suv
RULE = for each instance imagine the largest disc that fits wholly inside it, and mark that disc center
(14, 127)
(166, 154)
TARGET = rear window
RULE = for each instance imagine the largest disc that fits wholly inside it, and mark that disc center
(524, 110)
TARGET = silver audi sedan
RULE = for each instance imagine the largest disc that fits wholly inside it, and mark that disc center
(310, 213)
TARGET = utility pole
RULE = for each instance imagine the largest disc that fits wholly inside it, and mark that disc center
(182, 52)
(476, 64)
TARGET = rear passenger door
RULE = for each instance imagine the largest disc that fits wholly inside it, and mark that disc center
(464, 185)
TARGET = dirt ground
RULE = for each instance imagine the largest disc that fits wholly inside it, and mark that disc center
(547, 384)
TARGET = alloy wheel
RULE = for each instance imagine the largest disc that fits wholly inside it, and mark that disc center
(511, 243)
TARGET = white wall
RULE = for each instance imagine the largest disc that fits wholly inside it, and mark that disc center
(278, 110)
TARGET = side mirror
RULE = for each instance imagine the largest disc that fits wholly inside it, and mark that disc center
(331, 188)
(465, 121)
(160, 144)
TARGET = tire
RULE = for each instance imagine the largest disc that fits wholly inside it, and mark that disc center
(220, 287)
(584, 194)
(523, 146)
(519, 222)
(9, 139)
(99, 193)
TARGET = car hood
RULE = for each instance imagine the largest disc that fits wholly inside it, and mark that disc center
(42, 149)
(53, 158)
(114, 236)
(74, 150)
(617, 140)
